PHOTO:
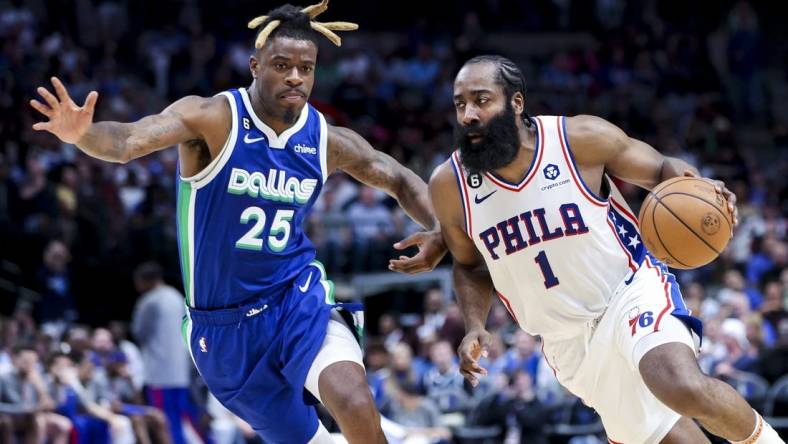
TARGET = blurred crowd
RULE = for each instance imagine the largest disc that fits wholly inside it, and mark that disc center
(705, 83)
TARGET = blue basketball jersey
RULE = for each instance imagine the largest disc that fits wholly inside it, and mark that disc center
(240, 220)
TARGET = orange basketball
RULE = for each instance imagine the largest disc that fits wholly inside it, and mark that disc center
(685, 223)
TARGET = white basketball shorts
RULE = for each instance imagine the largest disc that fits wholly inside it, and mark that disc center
(601, 365)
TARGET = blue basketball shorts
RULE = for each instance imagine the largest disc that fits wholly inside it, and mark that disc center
(255, 358)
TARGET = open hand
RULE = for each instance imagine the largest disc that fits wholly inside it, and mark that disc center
(67, 120)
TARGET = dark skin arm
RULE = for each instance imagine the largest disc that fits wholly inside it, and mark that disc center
(472, 283)
(600, 146)
(349, 152)
(193, 122)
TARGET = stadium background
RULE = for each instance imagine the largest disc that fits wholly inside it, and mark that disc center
(700, 80)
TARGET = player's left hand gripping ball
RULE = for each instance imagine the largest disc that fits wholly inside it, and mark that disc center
(720, 187)
(431, 246)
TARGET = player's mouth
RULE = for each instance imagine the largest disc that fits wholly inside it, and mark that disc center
(292, 96)
(475, 137)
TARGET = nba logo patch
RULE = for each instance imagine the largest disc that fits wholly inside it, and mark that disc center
(551, 171)
(203, 345)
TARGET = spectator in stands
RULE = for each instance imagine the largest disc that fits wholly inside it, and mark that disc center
(26, 408)
(531, 416)
(126, 399)
(443, 382)
(403, 368)
(156, 326)
(54, 281)
(227, 428)
(523, 356)
(418, 414)
(773, 363)
(372, 230)
(329, 231)
(434, 314)
(739, 355)
(513, 406)
(94, 424)
(390, 330)
(103, 350)
(773, 307)
(78, 340)
(131, 352)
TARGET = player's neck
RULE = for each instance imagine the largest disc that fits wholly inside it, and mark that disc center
(516, 169)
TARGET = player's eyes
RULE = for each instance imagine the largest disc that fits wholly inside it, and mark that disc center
(280, 66)
(459, 105)
(308, 68)
(483, 99)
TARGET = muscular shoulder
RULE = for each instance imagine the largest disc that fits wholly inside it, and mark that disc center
(202, 112)
(210, 117)
(445, 194)
(443, 179)
(341, 144)
(594, 140)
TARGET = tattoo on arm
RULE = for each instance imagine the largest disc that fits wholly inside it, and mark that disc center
(106, 141)
(121, 142)
(351, 153)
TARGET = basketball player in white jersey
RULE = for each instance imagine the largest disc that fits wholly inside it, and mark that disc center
(529, 212)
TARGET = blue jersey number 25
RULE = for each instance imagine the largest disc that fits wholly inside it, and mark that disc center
(278, 237)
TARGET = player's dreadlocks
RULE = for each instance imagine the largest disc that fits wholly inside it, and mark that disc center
(509, 77)
(291, 21)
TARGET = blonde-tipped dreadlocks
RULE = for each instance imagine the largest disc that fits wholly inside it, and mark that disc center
(327, 29)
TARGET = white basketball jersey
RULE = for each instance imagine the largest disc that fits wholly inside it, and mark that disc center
(556, 251)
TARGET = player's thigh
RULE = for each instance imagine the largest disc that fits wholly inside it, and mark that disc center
(339, 363)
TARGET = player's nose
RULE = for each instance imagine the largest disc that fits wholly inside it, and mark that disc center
(470, 116)
(293, 78)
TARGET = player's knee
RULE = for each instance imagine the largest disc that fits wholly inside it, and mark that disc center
(157, 418)
(684, 392)
(60, 425)
(690, 397)
(356, 403)
(672, 374)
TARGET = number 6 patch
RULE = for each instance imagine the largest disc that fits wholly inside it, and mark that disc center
(474, 180)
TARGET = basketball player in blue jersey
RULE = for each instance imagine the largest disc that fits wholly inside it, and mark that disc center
(262, 325)
(529, 212)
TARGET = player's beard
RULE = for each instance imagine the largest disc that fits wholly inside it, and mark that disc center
(498, 146)
(289, 116)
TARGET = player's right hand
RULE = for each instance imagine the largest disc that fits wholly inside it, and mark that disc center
(68, 121)
(474, 345)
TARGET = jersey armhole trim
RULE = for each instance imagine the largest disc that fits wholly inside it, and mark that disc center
(323, 147)
(205, 176)
(570, 160)
(466, 205)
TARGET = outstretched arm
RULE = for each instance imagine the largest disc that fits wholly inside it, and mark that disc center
(595, 141)
(349, 152)
(472, 282)
(187, 119)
